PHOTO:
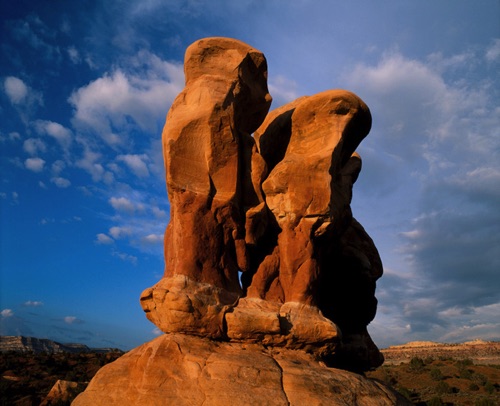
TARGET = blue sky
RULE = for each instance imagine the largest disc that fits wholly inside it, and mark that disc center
(84, 90)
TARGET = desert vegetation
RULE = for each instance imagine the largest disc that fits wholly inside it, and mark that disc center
(26, 378)
(443, 381)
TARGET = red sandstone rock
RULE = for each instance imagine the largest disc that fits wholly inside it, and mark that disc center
(275, 206)
(185, 370)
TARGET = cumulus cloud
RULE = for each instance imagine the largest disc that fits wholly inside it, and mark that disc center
(7, 313)
(122, 204)
(120, 232)
(104, 239)
(34, 164)
(16, 89)
(136, 163)
(153, 239)
(19, 93)
(34, 146)
(123, 98)
(61, 182)
(55, 130)
(92, 162)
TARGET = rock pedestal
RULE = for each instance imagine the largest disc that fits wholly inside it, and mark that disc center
(269, 280)
(182, 370)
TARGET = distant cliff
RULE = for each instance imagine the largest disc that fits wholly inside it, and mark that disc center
(481, 352)
(37, 345)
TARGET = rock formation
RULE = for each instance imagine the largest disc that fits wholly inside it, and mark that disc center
(182, 370)
(267, 197)
(63, 392)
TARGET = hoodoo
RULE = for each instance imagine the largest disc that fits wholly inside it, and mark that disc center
(269, 280)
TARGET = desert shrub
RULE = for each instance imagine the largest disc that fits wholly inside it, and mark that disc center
(387, 377)
(484, 402)
(416, 364)
(435, 401)
(465, 373)
(489, 387)
(436, 374)
(473, 387)
(443, 388)
(480, 379)
(404, 391)
(428, 360)
(462, 363)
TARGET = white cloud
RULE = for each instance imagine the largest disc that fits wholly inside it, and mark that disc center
(19, 93)
(16, 89)
(118, 99)
(158, 213)
(72, 320)
(282, 90)
(157, 332)
(34, 164)
(104, 239)
(91, 163)
(7, 313)
(62, 134)
(61, 182)
(33, 303)
(33, 146)
(125, 257)
(120, 232)
(135, 163)
(153, 239)
(122, 204)
(57, 167)
(493, 52)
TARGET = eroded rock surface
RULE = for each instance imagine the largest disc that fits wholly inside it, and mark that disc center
(185, 370)
(268, 196)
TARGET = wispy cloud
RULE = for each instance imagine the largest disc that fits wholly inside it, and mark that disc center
(104, 239)
(33, 303)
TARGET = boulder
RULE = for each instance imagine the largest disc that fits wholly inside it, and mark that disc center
(63, 393)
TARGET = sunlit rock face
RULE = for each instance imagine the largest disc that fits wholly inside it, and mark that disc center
(265, 195)
(183, 370)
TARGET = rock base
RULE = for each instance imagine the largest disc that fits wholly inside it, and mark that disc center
(186, 370)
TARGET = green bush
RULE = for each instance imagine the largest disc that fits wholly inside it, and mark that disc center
(484, 402)
(443, 388)
(435, 401)
(489, 387)
(416, 364)
(480, 379)
(473, 387)
(436, 374)
(404, 391)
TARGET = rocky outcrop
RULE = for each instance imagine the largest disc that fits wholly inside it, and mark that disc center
(185, 370)
(267, 197)
(63, 393)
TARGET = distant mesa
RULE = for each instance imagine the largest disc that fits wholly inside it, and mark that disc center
(265, 195)
(38, 345)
